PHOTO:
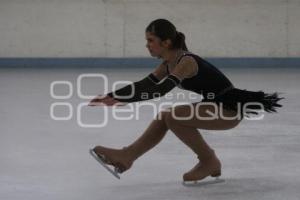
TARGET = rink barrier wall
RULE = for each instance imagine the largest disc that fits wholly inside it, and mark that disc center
(140, 62)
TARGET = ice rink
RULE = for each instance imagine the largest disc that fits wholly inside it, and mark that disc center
(42, 158)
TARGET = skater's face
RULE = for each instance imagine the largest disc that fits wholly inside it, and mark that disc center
(156, 46)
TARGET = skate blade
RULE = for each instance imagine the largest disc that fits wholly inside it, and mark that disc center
(202, 183)
(102, 162)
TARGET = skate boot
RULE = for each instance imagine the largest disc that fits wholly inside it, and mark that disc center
(118, 158)
(207, 167)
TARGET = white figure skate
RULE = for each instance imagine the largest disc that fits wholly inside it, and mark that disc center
(101, 160)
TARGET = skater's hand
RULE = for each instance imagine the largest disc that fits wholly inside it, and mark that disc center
(104, 100)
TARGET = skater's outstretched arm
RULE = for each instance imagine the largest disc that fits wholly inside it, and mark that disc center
(150, 87)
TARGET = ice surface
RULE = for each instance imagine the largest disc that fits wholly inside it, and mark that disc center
(46, 159)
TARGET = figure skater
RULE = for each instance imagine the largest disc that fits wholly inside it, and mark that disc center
(183, 69)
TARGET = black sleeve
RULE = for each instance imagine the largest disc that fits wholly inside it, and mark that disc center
(141, 92)
(148, 81)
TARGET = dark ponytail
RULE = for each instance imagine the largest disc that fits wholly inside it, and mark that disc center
(179, 42)
(164, 29)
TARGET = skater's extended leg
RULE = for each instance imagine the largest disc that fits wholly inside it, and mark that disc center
(124, 158)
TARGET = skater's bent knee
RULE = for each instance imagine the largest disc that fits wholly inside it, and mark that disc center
(169, 119)
(162, 115)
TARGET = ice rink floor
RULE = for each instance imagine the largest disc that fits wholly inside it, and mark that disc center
(46, 159)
